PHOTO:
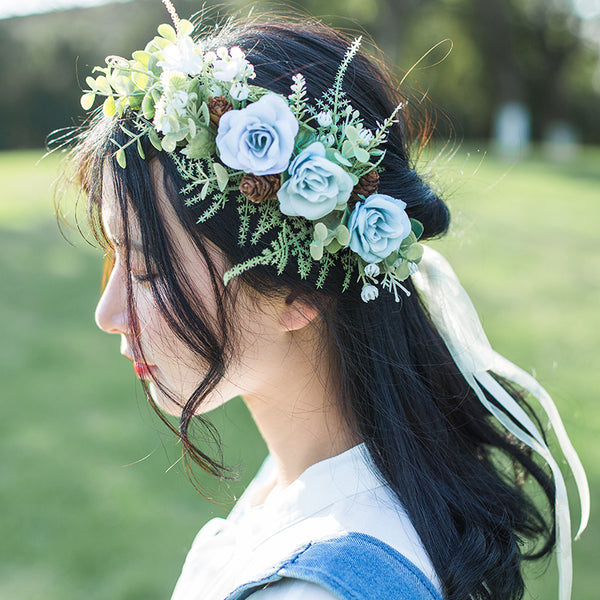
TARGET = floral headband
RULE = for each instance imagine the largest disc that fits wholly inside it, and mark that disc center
(309, 172)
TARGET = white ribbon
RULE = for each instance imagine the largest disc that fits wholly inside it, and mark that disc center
(455, 318)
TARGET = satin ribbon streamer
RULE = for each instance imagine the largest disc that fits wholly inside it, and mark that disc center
(455, 318)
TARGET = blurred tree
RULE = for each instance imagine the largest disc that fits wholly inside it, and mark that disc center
(527, 50)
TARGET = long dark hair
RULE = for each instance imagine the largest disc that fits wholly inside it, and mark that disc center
(404, 397)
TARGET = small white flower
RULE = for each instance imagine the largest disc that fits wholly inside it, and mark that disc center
(178, 101)
(372, 270)
(365, 136)
(210, 57)
(324, 118)
(239, 91)
(368, 293)
(184, 56)
(328, 140)
(232, 66)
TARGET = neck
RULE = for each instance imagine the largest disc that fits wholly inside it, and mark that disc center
(298, 414)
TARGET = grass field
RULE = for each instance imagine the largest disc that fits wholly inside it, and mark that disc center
(89, 506)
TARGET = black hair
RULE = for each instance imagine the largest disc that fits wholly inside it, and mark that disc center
(430, 438)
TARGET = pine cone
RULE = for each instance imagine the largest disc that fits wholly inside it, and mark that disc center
(217, 107)
(260, 187)
(366, 186)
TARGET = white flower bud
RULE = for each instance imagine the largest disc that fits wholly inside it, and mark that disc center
(324, 118)
(239, 91)
(365, 136)
(368, 293)
(372, 270)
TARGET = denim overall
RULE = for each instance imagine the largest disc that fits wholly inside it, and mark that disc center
(355, 566)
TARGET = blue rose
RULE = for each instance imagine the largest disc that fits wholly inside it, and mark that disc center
(258, 139)
(378, 226)
(316, 185)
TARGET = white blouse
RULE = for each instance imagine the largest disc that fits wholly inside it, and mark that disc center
(332, 497)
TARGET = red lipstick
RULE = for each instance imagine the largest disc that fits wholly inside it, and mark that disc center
(143, 371)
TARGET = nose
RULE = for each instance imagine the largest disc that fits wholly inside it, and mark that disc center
(111, 312)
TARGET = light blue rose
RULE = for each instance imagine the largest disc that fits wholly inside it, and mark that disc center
(258, 139)
(316, 185)
(378, 226)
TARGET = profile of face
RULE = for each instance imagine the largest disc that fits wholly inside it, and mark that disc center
(171, 368)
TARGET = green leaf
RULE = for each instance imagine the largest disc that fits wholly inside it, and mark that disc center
(222, 175)
(352, 134)
(204, 190)
(169, 143)
(140, 149)
(154, 138)
(140, 79)
(121, 158)
(148, 106)
(316, 250)
(91, 82)
(142, 57)
(185, 27)
(87, 101)
(402, 270)
(417, 228)
(167, 32)
(103, 86)
(333, 246)
(347, 148)
(409, 240)
(414, 252)
(205, 114)
(361, 155)
(336, 156)
(342, 234)
(109, 107)
(320, 232)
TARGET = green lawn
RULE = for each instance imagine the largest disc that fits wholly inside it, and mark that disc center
(90, 508)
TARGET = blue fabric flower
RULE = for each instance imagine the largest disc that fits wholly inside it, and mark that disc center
(378, 226)
(316, 185)
(258, 139)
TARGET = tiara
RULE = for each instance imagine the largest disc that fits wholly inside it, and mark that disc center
(308, 171)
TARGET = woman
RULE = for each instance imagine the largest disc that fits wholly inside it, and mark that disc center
(255, 194)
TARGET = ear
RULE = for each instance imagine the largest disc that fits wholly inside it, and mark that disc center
(297, 313)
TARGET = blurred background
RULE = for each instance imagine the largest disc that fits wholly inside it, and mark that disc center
(94, 501)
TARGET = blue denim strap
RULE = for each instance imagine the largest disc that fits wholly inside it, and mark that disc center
(354, 566)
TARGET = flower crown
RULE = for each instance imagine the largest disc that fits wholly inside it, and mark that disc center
(309, 172)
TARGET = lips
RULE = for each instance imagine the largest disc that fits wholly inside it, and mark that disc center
(143, 371)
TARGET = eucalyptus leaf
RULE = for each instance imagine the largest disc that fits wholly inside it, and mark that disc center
(109, 108)
(352, 134)
(222, 175)
(204, 190)
(320, 232)
(414, 252)
(91, 83)
(121, 158)
(102, 85)
(205, 114)
(169, 143)
(154, 138)
(316, 250)
(140, 79)
(339, 158)
(408, 240)
(186, 27)
(402, 270)
(148, 106)
(334, 246)
(142, 57)
(140, 149)
(361, 155)
(347, 148)
(167, 32)
(417, 228)
(87, 101)
(342, 234)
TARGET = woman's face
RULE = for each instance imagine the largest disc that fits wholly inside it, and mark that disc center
(170, 361)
